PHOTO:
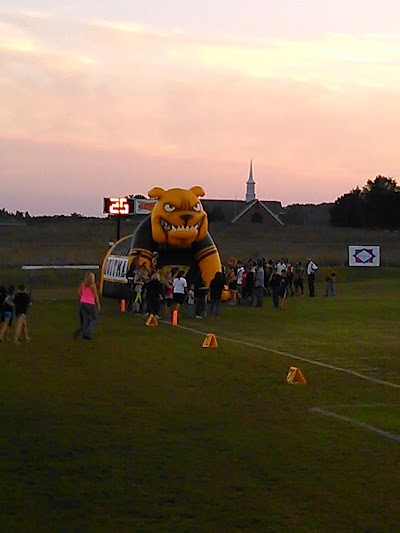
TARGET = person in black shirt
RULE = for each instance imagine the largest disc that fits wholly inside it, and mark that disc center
(22, 302)
(200, 296)
(216, 287)
(275, 286)
(298, 278)
(249, 286)
(130, 276)
(154, 294)
(284, 289)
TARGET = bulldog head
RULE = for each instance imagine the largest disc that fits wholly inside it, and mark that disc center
(177, 217)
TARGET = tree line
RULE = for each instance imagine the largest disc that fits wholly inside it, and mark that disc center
(19, 215)
(24, 216)
(374, 206)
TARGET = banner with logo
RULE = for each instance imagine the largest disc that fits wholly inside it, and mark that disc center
(116, 269)
(364, 256)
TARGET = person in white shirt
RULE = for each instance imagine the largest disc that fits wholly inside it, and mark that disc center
(281, 266)
(311, 269)
(180, 289)
(239, 280)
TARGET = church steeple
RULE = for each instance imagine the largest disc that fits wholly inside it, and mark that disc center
(250, 185)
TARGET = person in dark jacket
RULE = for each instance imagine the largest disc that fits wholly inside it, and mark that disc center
(200, 295)
(130, 277)
(216, 288)
(154, 295)
(275, 287)
(284, 289)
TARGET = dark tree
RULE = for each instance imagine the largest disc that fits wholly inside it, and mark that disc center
(382, 203)
(377, 205)
(349, 210)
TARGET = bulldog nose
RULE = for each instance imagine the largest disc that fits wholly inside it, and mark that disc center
(186, 218)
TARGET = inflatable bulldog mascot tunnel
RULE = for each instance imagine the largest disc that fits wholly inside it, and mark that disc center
(176, 230)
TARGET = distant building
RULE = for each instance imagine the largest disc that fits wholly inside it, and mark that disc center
(249, 210)
(239, 211)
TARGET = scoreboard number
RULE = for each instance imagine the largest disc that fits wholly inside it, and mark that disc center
(119, 206)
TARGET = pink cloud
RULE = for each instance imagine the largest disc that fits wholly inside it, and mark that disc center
(131, 108)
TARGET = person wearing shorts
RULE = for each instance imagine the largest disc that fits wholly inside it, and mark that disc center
(180, 289)
(22, 302)
(7, 313)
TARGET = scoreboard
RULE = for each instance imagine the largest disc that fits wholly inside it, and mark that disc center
(121, 206)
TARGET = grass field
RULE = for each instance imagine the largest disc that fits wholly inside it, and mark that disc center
(142, 429)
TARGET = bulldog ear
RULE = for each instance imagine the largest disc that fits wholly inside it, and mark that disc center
(197, 190)
(156, 192)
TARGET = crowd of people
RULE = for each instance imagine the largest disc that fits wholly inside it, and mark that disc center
(251, 281)
(241, 282)
(150, 292)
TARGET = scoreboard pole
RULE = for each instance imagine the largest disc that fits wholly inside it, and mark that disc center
(119, 207)
(118, 227)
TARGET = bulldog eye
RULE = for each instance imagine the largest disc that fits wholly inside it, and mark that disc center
(197, 207)
(169, 208)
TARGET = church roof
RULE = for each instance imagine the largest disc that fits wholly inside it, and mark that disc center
(250, 205)
(230, 210)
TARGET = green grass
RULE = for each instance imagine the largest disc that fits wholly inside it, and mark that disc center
(142, 429)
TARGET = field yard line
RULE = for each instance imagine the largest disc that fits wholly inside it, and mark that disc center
(303, 359)
(356, 422)
(367, 405)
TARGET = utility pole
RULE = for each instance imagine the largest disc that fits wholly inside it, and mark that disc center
(118, 227)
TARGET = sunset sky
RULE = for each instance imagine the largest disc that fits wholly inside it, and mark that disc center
(101, 98)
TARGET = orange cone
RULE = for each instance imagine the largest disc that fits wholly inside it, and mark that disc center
(123, 306)
(210, 341)
(152, 321)
(175, 318)
(295, 376)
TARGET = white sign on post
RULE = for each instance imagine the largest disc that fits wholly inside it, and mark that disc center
(364, 256)
(144, 206)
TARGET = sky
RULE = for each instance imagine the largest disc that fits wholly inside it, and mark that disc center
(101, 98)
